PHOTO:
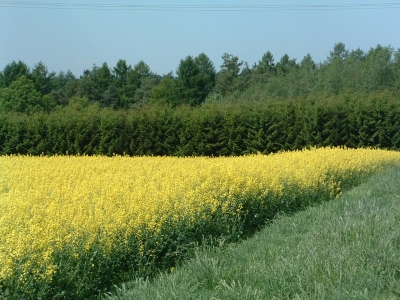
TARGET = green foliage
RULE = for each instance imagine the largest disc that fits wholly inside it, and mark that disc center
(12, 72)
(230, 70)
(102, 76)
(350, 99)
(165, 93)
(196, 79)
(21, 96)
(142, 94)
(379, 70)
(42, 78)
(127, 87)
(187, 72)
(121, 72)
(206, 77)
(266, 64)
(64, 87)
(213, 129)
(87, 87)
(110, 97)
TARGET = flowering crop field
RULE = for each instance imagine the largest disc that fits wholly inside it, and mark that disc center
(71, 226)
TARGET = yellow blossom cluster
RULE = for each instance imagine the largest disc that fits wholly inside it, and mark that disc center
(68, 203)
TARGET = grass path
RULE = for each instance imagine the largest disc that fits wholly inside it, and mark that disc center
(347, 248)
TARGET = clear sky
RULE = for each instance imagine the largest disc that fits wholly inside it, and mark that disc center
(76, 38)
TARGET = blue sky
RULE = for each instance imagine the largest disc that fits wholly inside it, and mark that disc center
(76, 39)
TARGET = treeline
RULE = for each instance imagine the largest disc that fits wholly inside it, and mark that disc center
(349, 119)
(196, 81)
(351, 99)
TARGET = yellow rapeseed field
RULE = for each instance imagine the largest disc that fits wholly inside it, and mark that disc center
(55, 210)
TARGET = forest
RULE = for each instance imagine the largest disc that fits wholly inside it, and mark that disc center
(350, 99)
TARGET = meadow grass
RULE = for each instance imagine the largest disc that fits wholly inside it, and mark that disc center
(348, 248)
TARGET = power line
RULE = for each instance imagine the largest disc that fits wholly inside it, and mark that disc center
(89, 6)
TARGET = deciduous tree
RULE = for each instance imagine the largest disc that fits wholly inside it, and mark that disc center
(21, 96)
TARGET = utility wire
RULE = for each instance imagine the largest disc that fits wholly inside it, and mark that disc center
(90, 6)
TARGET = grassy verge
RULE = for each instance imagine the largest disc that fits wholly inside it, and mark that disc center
(348, 248)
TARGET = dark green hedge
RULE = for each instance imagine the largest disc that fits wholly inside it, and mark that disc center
(353, 120)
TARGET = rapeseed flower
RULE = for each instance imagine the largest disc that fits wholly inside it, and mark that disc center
(74, 204)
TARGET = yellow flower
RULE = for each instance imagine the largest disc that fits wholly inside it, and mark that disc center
(71, 204)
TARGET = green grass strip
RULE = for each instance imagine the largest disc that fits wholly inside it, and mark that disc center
(348, 248)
